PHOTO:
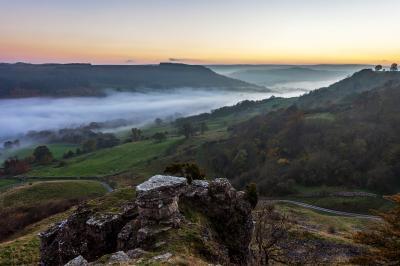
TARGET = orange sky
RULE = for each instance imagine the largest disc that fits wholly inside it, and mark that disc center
(223, 31)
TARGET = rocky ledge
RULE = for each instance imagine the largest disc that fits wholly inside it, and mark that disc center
(139, 227)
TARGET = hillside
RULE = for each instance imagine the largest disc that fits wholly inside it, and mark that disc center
(62, 80)
(352, 144)
(359, 82)
(271, 77)
(31, 202)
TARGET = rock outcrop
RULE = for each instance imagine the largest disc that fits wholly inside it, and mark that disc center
(85, 233)
(228, 211)
(140, 226)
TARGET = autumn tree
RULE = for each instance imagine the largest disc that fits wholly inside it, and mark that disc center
(382, 238)
(270, 231)
(190, 171)
(378, 68)
(14, 166)
(394, 67)
(89, 145)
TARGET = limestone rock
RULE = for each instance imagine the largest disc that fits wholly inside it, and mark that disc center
(229, 213)
(157, 199)
(78, 261)
(118, 257)
(85, 233)
(163, 257)
(136, 253)
(138, 226)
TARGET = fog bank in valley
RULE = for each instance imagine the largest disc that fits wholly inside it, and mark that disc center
(18, 116)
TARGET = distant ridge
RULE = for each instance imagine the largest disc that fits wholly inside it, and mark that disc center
(364, 80)
(80, 79)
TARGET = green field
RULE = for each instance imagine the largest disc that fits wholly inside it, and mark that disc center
(57, 150)
(9, 182)
(38, 192)
(130, 156)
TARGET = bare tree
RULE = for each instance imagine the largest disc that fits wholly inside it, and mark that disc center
(271, 230)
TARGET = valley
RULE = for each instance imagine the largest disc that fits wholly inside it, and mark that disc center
(318, 207)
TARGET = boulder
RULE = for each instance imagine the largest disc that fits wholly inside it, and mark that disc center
(229, 212)
(85, 233)
(157, 199)
(78, 261)
(118, 257)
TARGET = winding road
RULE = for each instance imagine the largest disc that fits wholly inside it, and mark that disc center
(340, 213)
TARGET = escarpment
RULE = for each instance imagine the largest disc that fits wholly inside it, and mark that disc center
(206, 221)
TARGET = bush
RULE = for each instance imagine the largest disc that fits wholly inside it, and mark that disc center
(251, 194)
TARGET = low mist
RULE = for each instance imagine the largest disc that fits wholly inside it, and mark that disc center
(18, 116)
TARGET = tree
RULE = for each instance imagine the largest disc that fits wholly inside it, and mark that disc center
(136, 134)
(159, 137)
(378, 68)
(106, 141)
(271, 229)
(89, 145)
(16, 143)
(68, 154)
(42, 155)
(14, 166)
(394, 67)
(8, 145)
(187, 130)
(158, 121)
(203, 127)
(189, 170)
(251, 194)
(383, 239)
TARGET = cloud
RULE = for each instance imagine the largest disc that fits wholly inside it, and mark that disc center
(18, 116)
(186, 60)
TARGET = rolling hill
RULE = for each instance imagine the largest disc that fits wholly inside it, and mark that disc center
(63, 80)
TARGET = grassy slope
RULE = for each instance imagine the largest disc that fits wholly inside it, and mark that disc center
(129, 156)
(52, 190)
(23, 247)
(321, 225)
(7, 183)
(141, 157)
(185, 242)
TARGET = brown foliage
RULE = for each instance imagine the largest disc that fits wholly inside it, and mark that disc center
(16, 218)
(382, 239)
(189, 170)
(271, 229)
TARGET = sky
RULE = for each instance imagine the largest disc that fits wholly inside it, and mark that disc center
(200, 31)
